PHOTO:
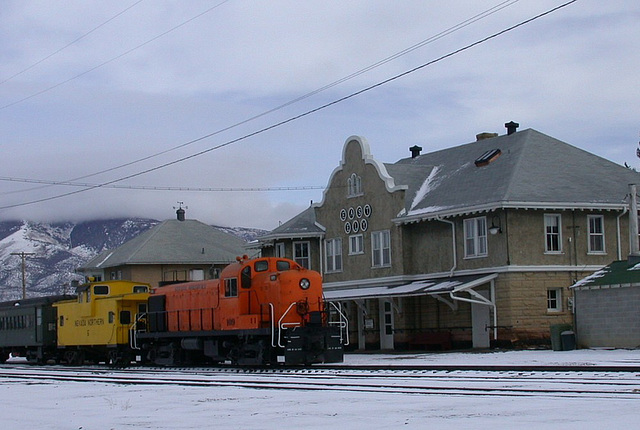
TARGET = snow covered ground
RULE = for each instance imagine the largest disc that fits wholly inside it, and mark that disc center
(69, 405)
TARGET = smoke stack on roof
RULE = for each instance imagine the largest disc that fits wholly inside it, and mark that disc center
(415, 151)
(512, 127)
(180, 214)
(485, 135)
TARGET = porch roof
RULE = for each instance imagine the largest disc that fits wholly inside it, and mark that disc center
(432, 287)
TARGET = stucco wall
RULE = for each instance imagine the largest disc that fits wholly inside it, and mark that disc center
(608, 317)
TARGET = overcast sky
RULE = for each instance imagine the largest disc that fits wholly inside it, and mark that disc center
(89, 86)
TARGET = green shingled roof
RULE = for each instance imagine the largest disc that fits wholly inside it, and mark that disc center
(617, 274)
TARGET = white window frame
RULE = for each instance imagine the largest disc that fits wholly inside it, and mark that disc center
(333, 255)
(280, 250)
(301, 258)
(552, 229)
(554, 300)
(356, 244)
(594, 223)
(381, 248)
(475, 237)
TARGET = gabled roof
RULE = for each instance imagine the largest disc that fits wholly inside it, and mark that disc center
(302, 225)
(173, 242)
(531, 170)
(618, 274)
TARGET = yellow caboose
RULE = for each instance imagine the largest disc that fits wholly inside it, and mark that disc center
(98, 325)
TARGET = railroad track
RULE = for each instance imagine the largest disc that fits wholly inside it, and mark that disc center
(540, 381)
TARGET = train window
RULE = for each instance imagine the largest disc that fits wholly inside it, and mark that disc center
(101, 290)
(140, 289)
(283, 265)
(231, 287)
(61, 320)
(112, 317)
(245, 277)
(262, 266)
(125, 317)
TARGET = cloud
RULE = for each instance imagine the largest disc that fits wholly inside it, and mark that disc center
(571, 75)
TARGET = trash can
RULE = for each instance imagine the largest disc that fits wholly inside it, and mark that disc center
(556, 339)
(568, 340)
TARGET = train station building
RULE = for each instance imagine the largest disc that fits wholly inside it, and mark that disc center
(175, 250)
(471, 246)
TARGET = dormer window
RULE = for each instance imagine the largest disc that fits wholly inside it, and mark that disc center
(354, 185)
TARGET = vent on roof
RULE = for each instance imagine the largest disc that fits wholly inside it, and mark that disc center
(415, 151)
(485, 135)
(487, 157)
(512, 127)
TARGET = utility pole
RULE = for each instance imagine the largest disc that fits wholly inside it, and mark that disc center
(24, 256)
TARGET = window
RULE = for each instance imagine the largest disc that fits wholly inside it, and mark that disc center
(280, 250)
(301, 254)
(596, 233)
(245, 277)
(262, 266)
(283, 265)
(334, 255)
(354, 185)
(554, 300)
(356, 244)
(552, 228)
(381, 248)
(101, 290)
(125, 317)
(475, 237)
(196, 274)
(140, 289)
(231, 287)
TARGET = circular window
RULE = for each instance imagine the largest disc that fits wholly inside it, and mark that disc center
(343, 214)
(352, 213)
(367, 210)
(347, 227)
(364, 224)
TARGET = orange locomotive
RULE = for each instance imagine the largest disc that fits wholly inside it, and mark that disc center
(260, 311)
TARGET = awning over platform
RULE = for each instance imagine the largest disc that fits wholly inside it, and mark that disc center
(432, 287)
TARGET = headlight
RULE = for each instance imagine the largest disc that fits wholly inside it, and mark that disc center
(305, 283)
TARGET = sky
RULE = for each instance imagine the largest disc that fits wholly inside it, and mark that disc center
(239, 109)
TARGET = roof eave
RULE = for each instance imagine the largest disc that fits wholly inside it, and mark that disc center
(490, 207)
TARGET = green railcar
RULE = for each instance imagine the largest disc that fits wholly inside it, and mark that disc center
(28, 328)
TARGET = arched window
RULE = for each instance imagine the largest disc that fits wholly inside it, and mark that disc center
(354, 185)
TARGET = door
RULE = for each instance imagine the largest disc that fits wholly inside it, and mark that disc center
(481, 322)
(386, 324)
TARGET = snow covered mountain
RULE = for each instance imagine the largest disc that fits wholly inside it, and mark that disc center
(54, 250)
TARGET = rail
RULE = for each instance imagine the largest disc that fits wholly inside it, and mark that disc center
(282, 325)
(342, 324)
(133, 330)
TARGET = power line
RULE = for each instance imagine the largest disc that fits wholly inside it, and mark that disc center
(70, 43)
(304, 114)
(117, 57)
(405, 51)
(161, 188)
